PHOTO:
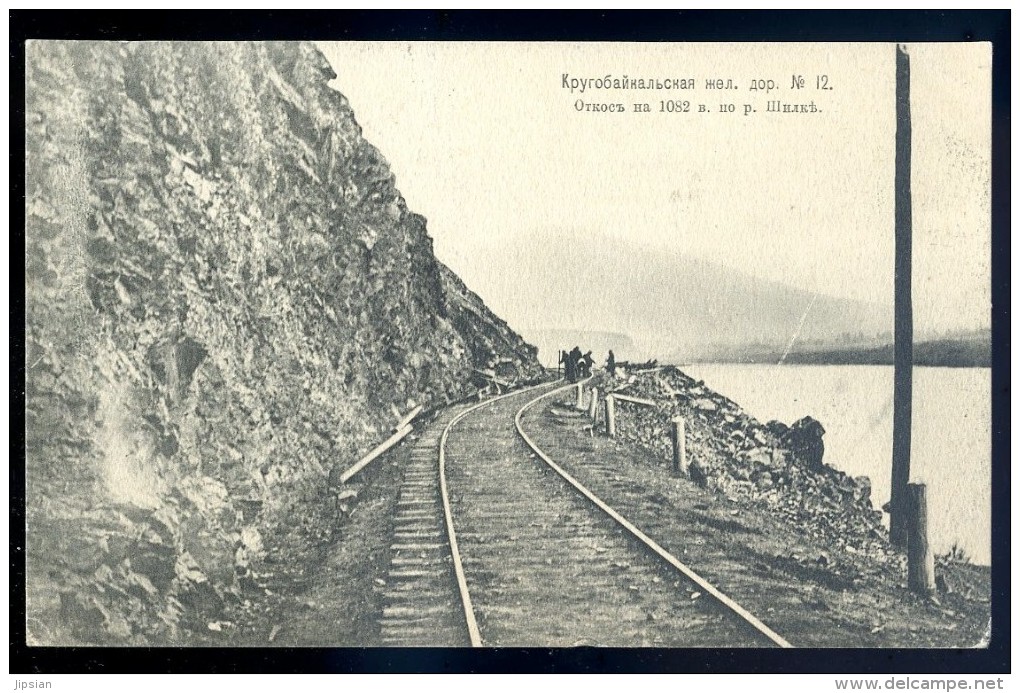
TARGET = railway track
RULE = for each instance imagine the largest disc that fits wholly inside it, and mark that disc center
(499, 546)
(423, 606)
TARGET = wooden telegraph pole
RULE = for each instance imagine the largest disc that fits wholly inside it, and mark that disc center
(904, 340)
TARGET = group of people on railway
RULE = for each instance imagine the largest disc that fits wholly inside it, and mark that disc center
(577, 365)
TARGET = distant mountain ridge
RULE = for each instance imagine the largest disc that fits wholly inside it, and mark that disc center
(669, 305)
(972, 350)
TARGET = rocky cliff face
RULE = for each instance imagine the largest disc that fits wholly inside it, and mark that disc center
(226, 296)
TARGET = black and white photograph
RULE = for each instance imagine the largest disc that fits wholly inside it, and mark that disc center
(507, 344)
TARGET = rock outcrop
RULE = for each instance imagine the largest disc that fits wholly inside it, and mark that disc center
(225, 296)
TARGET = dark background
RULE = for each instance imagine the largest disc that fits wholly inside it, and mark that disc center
(909, 26)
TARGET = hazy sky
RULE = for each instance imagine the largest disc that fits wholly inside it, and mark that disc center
(487, 145)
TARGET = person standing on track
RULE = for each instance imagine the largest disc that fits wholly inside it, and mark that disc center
(611, 363)
(588, 362)
(574, 362)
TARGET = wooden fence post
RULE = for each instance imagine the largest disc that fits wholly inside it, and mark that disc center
(679, 446)
(593, 410)
(580, 397)
(611, 416)
(920, 559)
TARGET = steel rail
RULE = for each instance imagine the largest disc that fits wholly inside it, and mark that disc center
(726, 601)
(458, 567)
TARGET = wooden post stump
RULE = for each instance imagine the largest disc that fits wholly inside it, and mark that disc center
(920, 559)
(593, 411)
(679, 446)
(610, 416)
(580, 397)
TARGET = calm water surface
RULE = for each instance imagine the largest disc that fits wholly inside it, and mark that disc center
(951, 437)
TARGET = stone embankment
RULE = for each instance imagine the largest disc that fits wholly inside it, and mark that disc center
(769, 465)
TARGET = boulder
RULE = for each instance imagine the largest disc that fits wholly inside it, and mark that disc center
(804, 440)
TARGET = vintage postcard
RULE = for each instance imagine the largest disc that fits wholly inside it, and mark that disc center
(417, 344)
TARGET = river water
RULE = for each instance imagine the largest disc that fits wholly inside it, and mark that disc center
(950, 441)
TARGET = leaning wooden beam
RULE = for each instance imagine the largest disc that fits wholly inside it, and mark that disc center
(634, 400)
(379, 449)
(408, 418)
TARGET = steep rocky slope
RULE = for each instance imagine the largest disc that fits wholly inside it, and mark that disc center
(226, 296)
(773, 466)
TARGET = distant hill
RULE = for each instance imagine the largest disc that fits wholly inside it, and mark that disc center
(671, 306)
(963, 350)
(973, 350)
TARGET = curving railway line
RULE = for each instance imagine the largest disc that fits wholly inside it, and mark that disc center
(496, 545)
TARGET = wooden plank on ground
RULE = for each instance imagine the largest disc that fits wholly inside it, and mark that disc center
(408, 418)
(375, 453)
(634, 400)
